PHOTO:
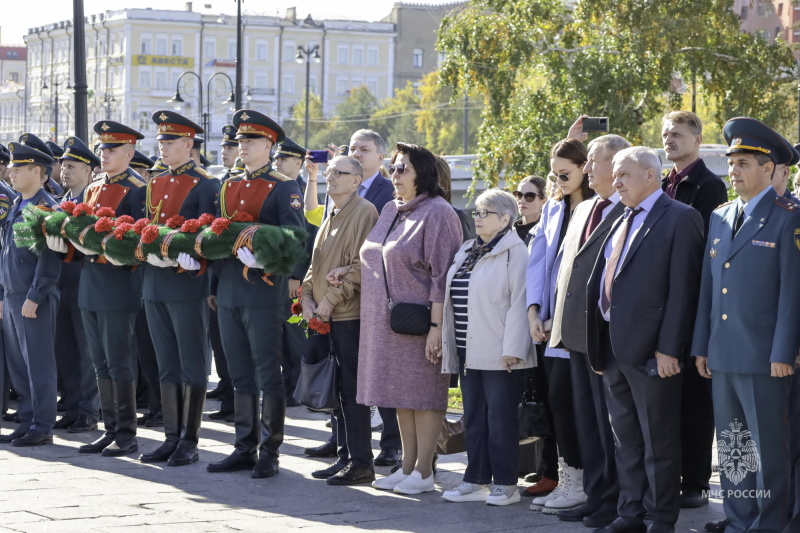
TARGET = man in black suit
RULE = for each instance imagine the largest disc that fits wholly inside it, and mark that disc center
(692, 183)
(641, 300)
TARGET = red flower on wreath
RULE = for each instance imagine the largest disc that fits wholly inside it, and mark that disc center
(82, 209)
(124, 219)
(149, 234)
(191, 226)
(324, 328)
(68, 206)
(206, 219)
(122, 229)
(175, 221)
(219, 225)
(104, 212)
(297, 308)
(242, 217)
(139, 225)
(103, 225)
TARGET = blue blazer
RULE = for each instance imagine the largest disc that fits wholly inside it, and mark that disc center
(380, 192)
(749, 309)
(542, 264)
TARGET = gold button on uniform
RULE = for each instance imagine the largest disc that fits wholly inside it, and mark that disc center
(727, 265)
(724, 291)
(724, 317)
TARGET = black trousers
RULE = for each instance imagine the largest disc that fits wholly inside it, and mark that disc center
(559, 396)
(595, 437)
(180, 335)
(75, 368)
(146, 356)
(697, 430)
(794, 451)
(109, 335)
(220, 362)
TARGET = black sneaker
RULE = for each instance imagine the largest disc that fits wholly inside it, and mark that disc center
(325, 473)
(352, 475)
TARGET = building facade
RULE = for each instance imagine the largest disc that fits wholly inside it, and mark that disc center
(770, 19)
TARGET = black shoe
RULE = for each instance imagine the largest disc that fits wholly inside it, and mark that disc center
(215, 394)
(577, 514)
(388, 457)
(693, 499)
(600, 518)
(267, 466)
(291, 402)
(17, 433)
(185, 454)
(717, 527)
(657, 527)
(65, 422)
(532, 478)
(194, 399)
(160, 454)
(623, 525)
(148, 416)
(99, 445)
(61, 406)
(326, 450)
(156, 422)
(234, 462)
(33, 438)
(83, 424)
(325, 473)
(352, 475)
(9, 417)
(221, 415)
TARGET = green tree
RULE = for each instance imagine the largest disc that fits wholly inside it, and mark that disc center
(351, 115)
(541, 63)
(442, 116)
(396, 118)
(295, 125)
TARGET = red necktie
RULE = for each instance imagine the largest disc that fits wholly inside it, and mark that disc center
(613, 261)
(595, 219)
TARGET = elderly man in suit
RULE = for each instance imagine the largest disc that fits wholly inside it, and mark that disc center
(636, 337)
(746, 333)
(582, 244)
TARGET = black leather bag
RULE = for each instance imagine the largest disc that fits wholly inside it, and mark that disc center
(533, 423)
(318, 384)
(453, 437)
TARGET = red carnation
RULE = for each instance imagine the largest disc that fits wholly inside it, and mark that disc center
(149, 234)
(104, 212)
(139, 225)
(297, 308)
(122, 229)
(175, 221)
(124, 219)
(190, 226)
(242, 217)
(219, 225)
(315, 323)
(206, 219)
(82, 209)
(103, 225)
(324, 328)
(68, 206)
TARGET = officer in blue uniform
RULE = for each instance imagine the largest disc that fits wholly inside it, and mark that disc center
(30, 302)
(75, 368)
(51, 186)
(746, 337)
(252, 309)
(55, 168)
(197, 152)
(175, 293)
(6, 198)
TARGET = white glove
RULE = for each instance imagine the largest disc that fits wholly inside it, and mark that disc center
(187, 262)
(247, 257)
(56, 244)
(154, 260)
(81, 249)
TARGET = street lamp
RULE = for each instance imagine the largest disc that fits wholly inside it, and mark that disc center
(177, 101)
(231, 100)
(308, 54)
(59, 80)
(108, 99)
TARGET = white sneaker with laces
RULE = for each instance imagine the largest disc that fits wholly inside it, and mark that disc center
(467, 492)
(503, 495)
(414, 484)
(375, 420)
(538, 503)
(389, 482)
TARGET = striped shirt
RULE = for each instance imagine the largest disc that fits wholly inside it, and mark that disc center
(459, 290)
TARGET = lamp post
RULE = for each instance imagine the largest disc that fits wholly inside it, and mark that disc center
(231, 100)
(177, 101)
(56, 83)
(308, 54)
(108, 99)
(238, 87)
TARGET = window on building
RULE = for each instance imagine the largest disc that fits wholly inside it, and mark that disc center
(777, 32)
(372, 87)
(260, 81)
(417, 57)
(341, 86)
(161, 46)
(762, 33)
(231, 48)
(144, 79)
(101, 45)
(440, 59)
(177, 46)
(312, 85)
(416, 85)
(161, 80)
(210, 49)
(173, 78)
(743, 13)
(372, 57)
(341, 55)
(780, 10)
(261, 51)
(15, 76)
(289, 51)
(358, 56)
(287, 87)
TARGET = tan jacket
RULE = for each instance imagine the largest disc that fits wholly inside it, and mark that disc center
(337, 244)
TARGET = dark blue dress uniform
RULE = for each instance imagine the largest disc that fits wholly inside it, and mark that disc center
(26, 276)
(251, 311)
(75, 369)
(747, 319)
(176, 302)
(31, 140)
(6, 196)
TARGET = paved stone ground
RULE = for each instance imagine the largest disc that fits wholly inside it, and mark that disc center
(54, 488)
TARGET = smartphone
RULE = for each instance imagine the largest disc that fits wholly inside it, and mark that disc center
(595, 124)
(652, 367)
(318, 156)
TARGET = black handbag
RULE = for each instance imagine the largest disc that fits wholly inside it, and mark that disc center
(534, 423)
(405, 318)
(317, 387)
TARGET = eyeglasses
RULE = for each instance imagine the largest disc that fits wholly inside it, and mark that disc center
(400, 169)
(483, 213)
(333, 173)
(562, 177)
(529, 196)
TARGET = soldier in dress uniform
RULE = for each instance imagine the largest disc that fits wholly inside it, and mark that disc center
(51, 186)
(175, 293)
(141, 164)
(252, 308)
(75, 368)
(229, 149)
(6, 197)
(55, 168)
(197, 153)
(29, 304)
(746, 337)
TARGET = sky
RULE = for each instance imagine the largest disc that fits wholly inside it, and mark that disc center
(17, 17)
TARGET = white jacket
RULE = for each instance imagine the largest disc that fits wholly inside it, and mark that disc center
(497, 309)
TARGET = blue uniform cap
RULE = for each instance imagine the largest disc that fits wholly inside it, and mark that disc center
(113, 134)
(229, 136)
(22, 155)
(254, 125)
(748, 135)
(55, 149)
(76, 150)
(172, 126)
(140, 160)
(289, 148)
(5, 156)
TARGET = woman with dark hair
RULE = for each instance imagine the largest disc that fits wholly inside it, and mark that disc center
(567, 158)
(530, 196)
(407, 255)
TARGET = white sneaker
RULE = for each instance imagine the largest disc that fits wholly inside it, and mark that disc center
(389, 482)
(538, 503)
(375, 420)
(503, 495)
(573, 495)
(467, 492)
(414, 484)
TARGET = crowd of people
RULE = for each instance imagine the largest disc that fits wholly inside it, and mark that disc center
(644, 312)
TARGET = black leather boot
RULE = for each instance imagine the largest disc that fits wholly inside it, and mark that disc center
(246, 427)
(171, 404)
(273, 413)
(194, 399)
(105, 388)
(125, 440)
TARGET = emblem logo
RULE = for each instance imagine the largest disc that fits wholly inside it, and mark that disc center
(23, 139)
(245, 116)
(713, 253)
(4, 204)
(163, 127)
(10, 147)
(105, 127)
(716, 241)
(738, 455)
(71, 141)
(736, 142)
(162, 116)
(797, 238)
(295, 202)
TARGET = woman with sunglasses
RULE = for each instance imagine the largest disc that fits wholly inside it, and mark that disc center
(567, 159)
(530, 196)
(407, 255)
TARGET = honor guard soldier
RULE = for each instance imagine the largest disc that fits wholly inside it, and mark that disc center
(75, 368)
(175, 293)
(251, 307)
(109, 294)
(55, 168)
(29, 139)
(141, 164)
(197, 154)
(29, 304)
(746, 337)
(229, 149)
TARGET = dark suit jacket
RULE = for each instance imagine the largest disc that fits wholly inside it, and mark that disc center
(569, 318)
(655, 291)
(380, 192)
(701, 189)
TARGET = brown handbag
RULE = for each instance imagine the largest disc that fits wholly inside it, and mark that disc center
(453, 438)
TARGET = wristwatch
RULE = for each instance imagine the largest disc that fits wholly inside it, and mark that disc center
(435, 325)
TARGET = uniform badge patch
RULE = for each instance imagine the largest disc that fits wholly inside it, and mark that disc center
(296, 203)
(713, 253)
(4, 205)
(797, 238)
